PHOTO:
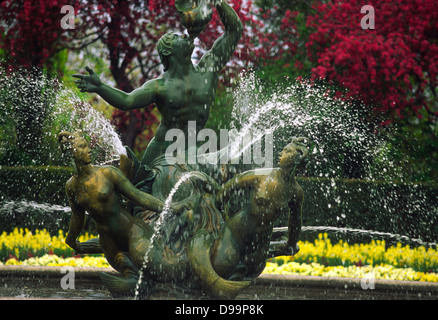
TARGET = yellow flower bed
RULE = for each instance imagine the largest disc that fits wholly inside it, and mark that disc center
(22, 247)
(52, 260)
(23, 244)
(320, 258)
(378, 272)
(323, 252)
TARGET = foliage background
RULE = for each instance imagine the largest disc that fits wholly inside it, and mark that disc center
(389, 73)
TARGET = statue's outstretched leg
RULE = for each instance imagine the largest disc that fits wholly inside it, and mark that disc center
(200, 261)
(90, 246)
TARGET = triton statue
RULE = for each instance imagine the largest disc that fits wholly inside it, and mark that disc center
(202, 241)
(183, 92)
(200, 247)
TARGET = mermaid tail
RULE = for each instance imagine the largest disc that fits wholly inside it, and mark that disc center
(200, 262)
(119, 286)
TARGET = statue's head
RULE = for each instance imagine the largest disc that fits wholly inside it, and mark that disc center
(76, 145)
(293, 153)
(176, 45)
(164, 47)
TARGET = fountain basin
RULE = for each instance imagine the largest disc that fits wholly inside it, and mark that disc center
(36, 282)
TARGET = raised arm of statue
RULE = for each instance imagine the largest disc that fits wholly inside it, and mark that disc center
(140, 198)
(226, 44)
(139, 98)
(126, 188)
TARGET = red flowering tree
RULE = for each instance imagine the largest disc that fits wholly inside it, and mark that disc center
(30, 31)
(392, 67)
(286, 34)
(31, 36)
(248, 50)
(281, 35)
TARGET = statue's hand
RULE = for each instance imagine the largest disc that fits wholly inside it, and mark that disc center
(78, 248)
(89, 246)
(89, 83)
(285, 249)
(75, 245)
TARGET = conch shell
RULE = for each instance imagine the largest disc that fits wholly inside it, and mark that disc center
(195, 15)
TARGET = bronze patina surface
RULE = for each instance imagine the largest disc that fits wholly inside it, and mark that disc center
(206, 242)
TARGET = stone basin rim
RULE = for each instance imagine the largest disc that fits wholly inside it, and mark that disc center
(272, 280)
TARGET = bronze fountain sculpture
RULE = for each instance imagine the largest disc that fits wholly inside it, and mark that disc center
(199, 239)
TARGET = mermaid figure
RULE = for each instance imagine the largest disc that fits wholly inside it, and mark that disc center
(98, 190)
